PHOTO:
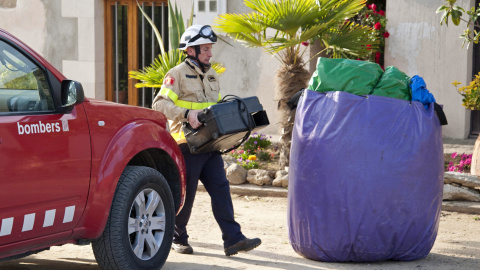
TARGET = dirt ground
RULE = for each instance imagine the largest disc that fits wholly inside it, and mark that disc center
(457, 245)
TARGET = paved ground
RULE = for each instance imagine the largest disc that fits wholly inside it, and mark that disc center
(457, 246)
(262, 212)
(458, 145)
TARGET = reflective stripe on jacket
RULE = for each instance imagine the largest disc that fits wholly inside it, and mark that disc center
(186, 87)
(186, 104)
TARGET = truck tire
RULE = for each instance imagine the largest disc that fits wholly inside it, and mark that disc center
(139, 229)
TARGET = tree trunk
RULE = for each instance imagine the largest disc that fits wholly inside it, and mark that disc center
(315, 48)
(475, 167)
(289, 80)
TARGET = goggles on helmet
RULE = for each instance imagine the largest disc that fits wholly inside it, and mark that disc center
(205, 32)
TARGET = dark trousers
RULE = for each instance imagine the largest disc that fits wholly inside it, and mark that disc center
(208, 167)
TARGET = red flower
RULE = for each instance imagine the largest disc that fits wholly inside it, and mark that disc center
(372, 7)
(377, 26)
(366, 16)
(386, 34)
(377, 57)
(305, 43)
(381, 12)
(369, 47)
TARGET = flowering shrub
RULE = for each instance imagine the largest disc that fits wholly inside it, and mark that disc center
(375, 18)
(459, 163)
(265, 155)
(240, 154)
(248, 164)
(253, 150)
(256, 141)
(470, 93)
(245, 159)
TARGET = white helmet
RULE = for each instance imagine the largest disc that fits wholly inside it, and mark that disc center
(197, 35)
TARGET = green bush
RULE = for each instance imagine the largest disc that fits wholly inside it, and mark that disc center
(246, 159)
(252, 151)
(256, 142)
(264, 155)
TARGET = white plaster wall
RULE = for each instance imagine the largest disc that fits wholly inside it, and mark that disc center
(419, 45)
(39, 24)
(249, 72)
(89, 67)
(27, 22)
(67, 33)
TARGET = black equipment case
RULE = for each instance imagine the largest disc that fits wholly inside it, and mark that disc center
(226, 125)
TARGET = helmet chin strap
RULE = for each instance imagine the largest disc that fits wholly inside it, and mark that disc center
(203, 67)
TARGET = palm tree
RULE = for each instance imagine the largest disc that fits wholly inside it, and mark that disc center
(281, 26)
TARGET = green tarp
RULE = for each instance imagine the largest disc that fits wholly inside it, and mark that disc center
(393, 83)
(359, 78)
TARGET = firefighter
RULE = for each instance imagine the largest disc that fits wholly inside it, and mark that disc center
(187, 89)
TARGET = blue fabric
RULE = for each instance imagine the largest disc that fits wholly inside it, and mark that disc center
(420, 92)
(366, 178)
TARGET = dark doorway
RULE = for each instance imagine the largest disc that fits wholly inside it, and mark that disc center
(475, 115)
(475, 124)
(130, 44)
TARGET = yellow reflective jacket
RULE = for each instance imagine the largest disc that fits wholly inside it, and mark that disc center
(186, 87)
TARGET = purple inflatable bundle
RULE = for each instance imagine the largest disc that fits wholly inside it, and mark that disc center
(366, 178)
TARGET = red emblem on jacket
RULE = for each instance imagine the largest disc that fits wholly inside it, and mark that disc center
(169, 80)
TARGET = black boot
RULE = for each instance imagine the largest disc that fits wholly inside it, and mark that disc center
(182, 248)
(243, 245)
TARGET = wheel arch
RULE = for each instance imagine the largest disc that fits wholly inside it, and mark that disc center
(140, 143)
(159, 160)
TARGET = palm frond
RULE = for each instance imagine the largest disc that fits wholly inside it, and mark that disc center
(236, 23)
(219, 68)
(155, 29)
(242, 27)
(334, 11)
(349, 39)
(287, 16)
(176, 27)
(343, 9)
(190, 21)
(153, 75)
(277, 44)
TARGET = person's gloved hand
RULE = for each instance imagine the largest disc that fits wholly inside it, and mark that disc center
(192, 119)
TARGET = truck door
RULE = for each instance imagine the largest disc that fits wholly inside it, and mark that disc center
(45, 156)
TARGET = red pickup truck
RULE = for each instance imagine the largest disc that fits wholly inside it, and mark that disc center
(79, 170)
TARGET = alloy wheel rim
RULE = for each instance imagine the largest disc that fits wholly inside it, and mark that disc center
(146, 224)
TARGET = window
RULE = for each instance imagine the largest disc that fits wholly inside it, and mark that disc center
(23, 85)
(201, 5)
(213, 5)
(205, 11)
(131, 44)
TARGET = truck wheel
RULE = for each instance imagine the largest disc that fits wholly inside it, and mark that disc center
(139, 229)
